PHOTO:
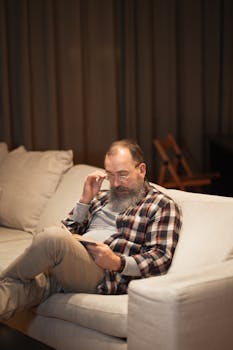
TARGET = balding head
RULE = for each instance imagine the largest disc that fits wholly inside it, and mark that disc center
(130, 145)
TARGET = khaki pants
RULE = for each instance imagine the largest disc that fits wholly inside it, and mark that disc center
(54, 262)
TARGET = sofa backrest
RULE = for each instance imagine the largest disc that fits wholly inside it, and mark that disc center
(206, 235)
(66, 195)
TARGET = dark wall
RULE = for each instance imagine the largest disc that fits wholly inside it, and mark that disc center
(81, 73)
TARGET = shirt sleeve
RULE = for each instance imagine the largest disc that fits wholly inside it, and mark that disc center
(131, 267)
(76, 221)
(79, 212)
(161, 240)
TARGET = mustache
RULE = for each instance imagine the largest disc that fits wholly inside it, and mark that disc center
(119, 189)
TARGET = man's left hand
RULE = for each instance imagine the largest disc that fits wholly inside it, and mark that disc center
(104, 256)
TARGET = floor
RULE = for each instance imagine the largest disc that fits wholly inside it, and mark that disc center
(12, 339)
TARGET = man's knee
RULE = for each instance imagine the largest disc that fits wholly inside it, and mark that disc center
(50, 235)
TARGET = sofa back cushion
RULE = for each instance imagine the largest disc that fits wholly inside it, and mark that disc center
(66, 195)
(3, 151)
(207, 233)
(27, 181)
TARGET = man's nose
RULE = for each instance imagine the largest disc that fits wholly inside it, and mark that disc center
(116, 181)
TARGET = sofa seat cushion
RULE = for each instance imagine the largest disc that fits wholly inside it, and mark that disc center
(104, 313)
(10, 234)
(27, 181)
(12, 243)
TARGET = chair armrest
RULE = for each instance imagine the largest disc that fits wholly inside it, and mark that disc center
(183, 311)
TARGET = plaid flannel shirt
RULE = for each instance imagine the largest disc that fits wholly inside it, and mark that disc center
(148, 232)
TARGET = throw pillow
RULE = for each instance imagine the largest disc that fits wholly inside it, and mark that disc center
(27, 181)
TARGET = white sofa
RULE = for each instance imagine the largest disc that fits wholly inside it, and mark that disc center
(189, 308)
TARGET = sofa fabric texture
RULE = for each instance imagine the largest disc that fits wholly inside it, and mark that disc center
(27, 181)
(191, 307)
(3, 151)
(106, 315)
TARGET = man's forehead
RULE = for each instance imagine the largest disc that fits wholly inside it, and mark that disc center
(120, 161)
(119, 151)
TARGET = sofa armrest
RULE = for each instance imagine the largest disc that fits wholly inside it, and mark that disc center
(183, 311)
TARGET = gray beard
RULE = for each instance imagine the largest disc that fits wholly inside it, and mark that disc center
(120, 203)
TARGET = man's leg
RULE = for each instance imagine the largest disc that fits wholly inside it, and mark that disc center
(16, 295)
(53, 252)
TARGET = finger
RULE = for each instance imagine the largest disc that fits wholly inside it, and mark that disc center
(92, 249)
(98, 246)
(100, 178)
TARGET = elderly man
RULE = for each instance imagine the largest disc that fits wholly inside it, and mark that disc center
(131, 231)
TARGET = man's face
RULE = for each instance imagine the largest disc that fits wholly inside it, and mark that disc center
(123, 173)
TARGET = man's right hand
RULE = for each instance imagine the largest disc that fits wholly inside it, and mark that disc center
(92, 186)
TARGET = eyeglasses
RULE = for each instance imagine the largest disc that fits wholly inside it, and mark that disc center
(122, 176)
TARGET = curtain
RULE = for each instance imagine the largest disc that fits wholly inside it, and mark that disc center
(78, 74)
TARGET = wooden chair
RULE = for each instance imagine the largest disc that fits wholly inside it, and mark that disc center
(175, 171)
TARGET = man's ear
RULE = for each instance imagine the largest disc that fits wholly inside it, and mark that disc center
(142, 168)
